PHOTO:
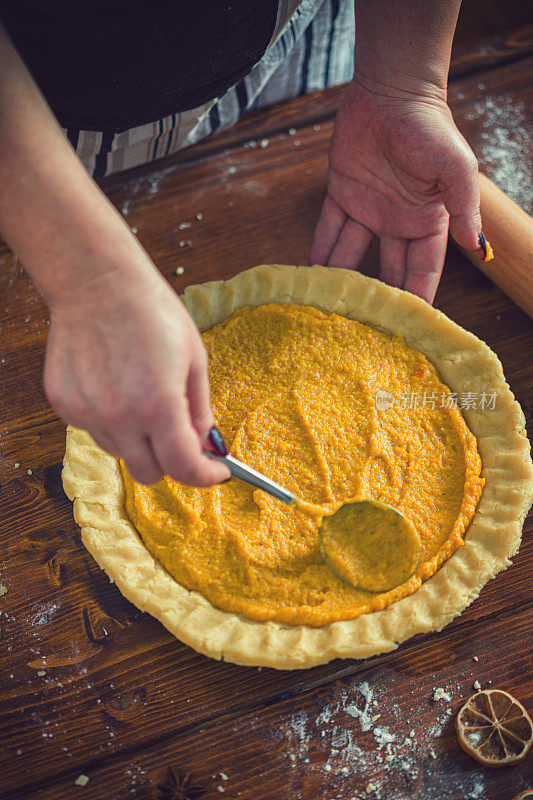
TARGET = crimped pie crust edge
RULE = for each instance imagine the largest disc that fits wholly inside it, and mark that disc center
(92, 479)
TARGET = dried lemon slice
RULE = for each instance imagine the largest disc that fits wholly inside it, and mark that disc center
(494, 728)
(527, 795)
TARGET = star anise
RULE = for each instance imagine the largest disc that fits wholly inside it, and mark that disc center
(178, 787)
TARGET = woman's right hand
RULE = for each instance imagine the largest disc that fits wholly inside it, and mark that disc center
(125, 362)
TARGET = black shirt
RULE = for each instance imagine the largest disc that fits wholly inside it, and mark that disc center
(117, 64)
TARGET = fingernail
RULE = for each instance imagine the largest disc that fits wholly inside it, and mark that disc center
(482, 244)
(217, 441)
(485, 250)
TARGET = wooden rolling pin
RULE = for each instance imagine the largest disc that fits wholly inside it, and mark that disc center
(510, 232)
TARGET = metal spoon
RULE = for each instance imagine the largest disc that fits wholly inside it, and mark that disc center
(366, 543)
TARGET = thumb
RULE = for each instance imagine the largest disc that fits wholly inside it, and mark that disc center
(459, 185)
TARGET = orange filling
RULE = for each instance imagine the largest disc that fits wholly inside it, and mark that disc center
(332, 409)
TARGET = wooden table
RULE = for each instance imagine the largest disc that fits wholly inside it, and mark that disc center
(89, 684)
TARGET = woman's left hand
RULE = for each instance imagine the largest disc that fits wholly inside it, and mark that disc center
(398, 169)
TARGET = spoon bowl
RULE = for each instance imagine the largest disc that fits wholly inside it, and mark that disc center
(370, 545)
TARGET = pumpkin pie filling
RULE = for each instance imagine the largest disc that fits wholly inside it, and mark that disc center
(294, 393)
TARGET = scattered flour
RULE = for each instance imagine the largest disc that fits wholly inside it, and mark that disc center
(150, 181)
(505, 150)
(477, 791)
(44, 613)
(350, 748)
(364, 715)
(474, 737)
(136, 778)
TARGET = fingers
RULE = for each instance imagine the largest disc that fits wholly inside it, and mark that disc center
(133, 449)
(140, 460)
(161, 442)
(198, 395)
(105, 441)
(338, 241)
(459, 184)
(326, 232)
(177, 447)
(425, 260)
(351, 245)
(393, 260)
(173, 450)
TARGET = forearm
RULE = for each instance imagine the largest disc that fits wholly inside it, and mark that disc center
(52, 214)
(405, 44)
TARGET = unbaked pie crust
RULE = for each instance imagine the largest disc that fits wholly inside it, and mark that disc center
(92, 479)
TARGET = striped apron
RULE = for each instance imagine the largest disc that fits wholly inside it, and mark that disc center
(312, 47)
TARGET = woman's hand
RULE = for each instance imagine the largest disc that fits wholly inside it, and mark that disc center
(125, 362)
(398, 169)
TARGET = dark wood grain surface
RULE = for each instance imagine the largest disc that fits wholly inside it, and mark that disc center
(90, 685)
